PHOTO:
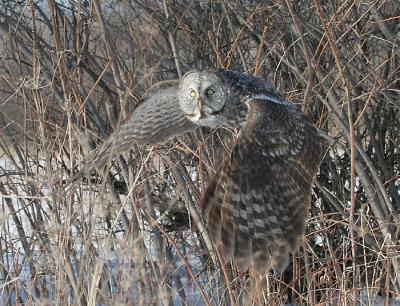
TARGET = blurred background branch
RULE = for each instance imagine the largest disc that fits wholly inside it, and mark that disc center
(72, 71)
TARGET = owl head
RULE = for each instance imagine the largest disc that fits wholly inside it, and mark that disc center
(202, 98)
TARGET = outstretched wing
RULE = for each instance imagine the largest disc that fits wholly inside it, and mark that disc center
(246, 83)
(154, 121)
(257, 204)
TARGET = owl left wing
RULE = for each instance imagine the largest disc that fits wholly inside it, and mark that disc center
(257, 204)
(154, 121)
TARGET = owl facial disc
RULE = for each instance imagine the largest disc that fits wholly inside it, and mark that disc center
(202, 97)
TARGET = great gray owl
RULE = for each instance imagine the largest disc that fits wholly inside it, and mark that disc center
(257, 203)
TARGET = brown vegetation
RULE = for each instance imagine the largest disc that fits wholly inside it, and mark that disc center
(70, 72)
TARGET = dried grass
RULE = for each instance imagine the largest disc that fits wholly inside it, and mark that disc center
(71, 71)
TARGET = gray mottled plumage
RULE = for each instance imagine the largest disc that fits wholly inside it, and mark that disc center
(257, 203)
(157, 119)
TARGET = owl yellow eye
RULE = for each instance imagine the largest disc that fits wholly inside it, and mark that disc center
(192, 93)
(210, 92)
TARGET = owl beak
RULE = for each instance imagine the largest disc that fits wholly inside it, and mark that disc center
(200, 105)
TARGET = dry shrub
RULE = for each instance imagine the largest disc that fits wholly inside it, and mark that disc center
(70, 72)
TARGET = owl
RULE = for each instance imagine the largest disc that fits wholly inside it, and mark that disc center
(256, 205)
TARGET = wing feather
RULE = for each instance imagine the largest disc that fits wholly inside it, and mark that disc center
(264, 187)
(154, 121)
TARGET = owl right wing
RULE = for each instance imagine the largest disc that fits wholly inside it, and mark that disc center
(258, 202)
(157, 119)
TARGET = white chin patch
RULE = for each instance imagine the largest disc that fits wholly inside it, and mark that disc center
(195, 117)
(208, 121)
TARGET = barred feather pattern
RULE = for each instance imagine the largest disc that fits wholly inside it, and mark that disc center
(157, 119)
(160, 116)
(257, 204)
